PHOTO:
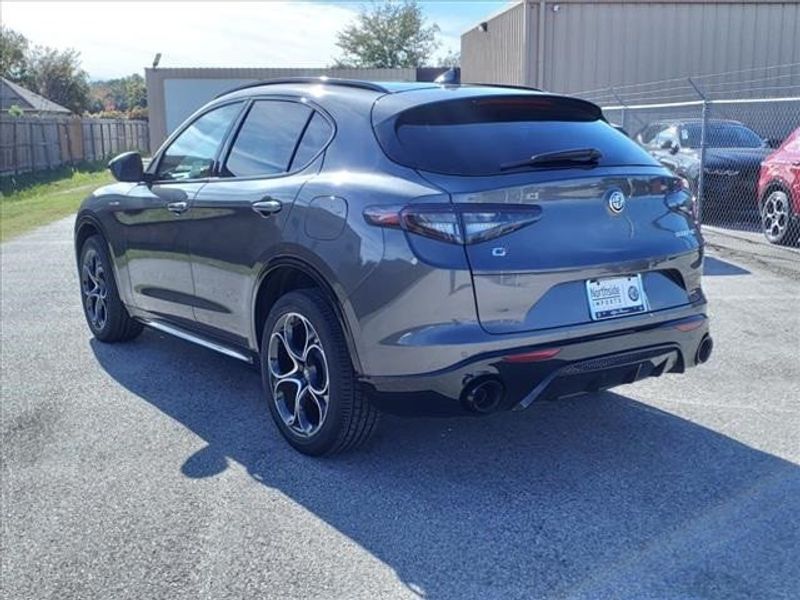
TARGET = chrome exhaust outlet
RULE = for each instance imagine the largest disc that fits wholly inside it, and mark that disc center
(484, 395)
(704, 350)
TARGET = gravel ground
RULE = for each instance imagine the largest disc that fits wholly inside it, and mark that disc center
(151, 470)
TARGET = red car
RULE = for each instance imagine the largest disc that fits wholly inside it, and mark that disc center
(779, 192)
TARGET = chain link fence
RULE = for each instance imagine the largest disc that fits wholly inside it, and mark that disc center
(733, 136)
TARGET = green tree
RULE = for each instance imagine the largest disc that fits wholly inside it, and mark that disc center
(451, 59)
(135, 91)
(388, 34)
(124, 94)
(57, 75)
(13, 54)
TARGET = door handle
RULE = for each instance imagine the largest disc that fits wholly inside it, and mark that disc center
(177, 207)
(267, 207)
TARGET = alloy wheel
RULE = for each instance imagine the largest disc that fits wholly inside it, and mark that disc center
(775, 215)
(95, 289)
(298, 374)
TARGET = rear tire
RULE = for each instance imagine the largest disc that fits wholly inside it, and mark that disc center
(778, 221)
(106, 315)
(308, 377)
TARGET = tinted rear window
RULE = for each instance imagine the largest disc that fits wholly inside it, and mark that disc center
(267, 139)
(475, 136)
(317, 134)
(722, 135)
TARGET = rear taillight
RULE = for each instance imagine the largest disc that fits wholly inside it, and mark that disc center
(681, 198)
(455, 223)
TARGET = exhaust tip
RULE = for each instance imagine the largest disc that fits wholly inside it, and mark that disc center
(483, 395)
(704, 350)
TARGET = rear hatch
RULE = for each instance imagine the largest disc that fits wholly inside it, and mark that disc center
(565, 220)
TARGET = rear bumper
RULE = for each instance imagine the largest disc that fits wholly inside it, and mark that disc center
(526, 374)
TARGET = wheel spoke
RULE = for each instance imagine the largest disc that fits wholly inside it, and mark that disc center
(286, 393)
(320, 402)
(291, 335)
(278, 352)
(301, 420)
(100, 310)
(320, 369)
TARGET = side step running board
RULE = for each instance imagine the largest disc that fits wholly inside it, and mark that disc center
(191, 337)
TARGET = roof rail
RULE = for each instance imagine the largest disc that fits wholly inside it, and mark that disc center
(506, 85)
(353, 83)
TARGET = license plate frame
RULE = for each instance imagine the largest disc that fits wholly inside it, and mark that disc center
(614, 297)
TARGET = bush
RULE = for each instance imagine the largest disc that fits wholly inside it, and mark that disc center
(138, 113)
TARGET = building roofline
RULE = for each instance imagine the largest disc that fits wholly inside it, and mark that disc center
(36, 102)
(494, 15)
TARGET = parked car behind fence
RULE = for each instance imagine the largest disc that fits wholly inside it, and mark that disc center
(779, 192)
(742, 129)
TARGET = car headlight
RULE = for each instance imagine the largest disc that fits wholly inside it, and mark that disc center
(722, 172)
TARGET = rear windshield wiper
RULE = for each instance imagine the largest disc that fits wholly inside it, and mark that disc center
(577, 156)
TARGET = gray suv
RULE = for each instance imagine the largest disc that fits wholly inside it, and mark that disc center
(409, 247)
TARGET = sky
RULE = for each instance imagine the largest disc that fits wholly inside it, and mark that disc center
(119, 38)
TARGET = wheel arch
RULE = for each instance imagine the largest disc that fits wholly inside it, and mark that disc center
(85, 227)
(287, 273)
(774, 185)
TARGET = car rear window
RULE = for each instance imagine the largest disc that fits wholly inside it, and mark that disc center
(475, 136)
(722, 135)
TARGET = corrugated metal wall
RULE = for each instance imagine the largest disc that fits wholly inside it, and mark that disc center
(495, 56)
(594, 45)
(591, 44)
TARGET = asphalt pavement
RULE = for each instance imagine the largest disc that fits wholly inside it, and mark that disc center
(152, 470)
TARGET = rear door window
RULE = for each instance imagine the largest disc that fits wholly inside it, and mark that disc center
(475, 136)
(267, 139)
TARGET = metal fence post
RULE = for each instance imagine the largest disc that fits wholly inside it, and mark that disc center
(703, 140)
(69, 143)
(623, 111)
(94, 141)
(31, 145)
(14, 149)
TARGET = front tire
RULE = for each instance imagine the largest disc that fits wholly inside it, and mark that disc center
(106, 315)
(778, 221)
(308, 377)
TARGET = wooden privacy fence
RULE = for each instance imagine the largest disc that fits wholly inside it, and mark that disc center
(34, 144)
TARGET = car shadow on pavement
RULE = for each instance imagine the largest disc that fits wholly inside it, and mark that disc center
(599, 496)
(713, 267)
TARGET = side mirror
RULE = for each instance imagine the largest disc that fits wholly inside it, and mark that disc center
(773, 142)
(127, 166)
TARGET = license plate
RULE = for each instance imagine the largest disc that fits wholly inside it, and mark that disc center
(616, 297)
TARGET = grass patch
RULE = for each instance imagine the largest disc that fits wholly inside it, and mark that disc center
(33, 199)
